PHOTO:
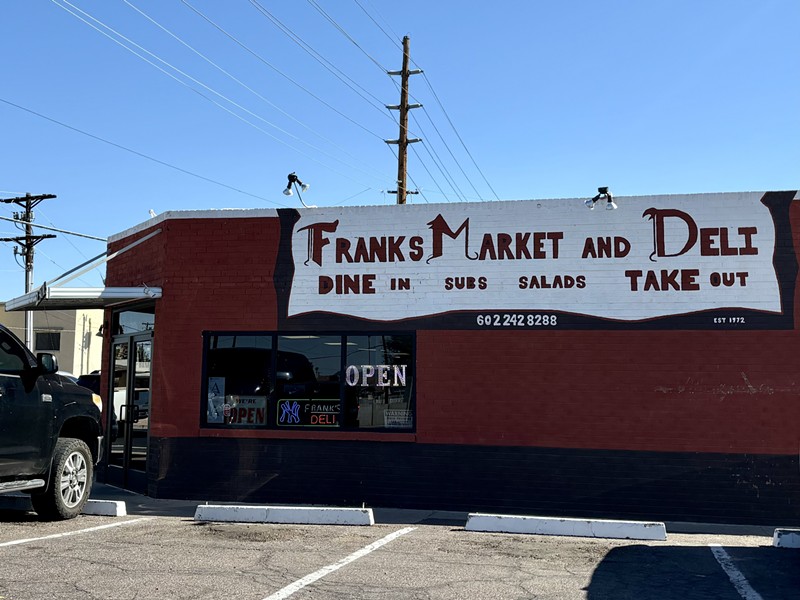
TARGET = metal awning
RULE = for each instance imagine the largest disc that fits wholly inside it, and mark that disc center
(51, 298)
(51, 295)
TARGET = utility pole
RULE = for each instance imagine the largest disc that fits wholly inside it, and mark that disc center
(403, 141)
(26, 244)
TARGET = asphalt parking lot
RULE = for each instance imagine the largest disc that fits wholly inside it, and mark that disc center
(159, 551)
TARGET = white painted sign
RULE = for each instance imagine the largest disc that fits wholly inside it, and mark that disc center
(246, 410)
(652, 257)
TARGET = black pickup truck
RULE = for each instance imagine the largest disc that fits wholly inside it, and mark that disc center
(50, 432)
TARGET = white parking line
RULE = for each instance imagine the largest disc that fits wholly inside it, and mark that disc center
(65, 534)
(735, 575)
(309, 579)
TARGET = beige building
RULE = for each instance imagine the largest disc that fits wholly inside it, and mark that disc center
(69, 334)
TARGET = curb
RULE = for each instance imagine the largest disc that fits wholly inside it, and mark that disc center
(105, 508)
(595, 528)
(285, 515)
(786, 538)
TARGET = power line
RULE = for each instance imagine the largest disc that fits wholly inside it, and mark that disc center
(83, 235)
(418, 189)
(351, 197)
(69, 241)
(439, 102)
(344, 33)
(438, 162)
(429, 149)
(403, 141)
(392, 39)
(328, 65)
(447, 146)
(424, 166)
(248, 88)
(87, 282)
(287, 31)
(226, 109)
(26, 244)
(274, 68)
(140, 154)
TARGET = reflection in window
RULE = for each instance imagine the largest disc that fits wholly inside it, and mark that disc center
(134, 321)
(120, 381)
(379, 373)
(308, 381)
(238, 379)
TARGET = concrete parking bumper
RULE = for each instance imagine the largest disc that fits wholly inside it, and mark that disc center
(596, 528)
(106, 508)
(297, 515)
(786, 538)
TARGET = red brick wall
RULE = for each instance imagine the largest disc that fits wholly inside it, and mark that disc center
(215, 274)
(143, 264)
(634, 390)
(695, 391)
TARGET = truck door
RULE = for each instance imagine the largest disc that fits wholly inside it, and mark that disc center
(26, 413)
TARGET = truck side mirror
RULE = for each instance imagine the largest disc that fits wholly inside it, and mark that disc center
(47, 363)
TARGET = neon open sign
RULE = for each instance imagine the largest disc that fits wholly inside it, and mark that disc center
(377, 375)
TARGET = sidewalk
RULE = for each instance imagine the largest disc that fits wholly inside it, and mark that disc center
(144, 505)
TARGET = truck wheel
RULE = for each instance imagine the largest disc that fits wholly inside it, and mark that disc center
(70, 482)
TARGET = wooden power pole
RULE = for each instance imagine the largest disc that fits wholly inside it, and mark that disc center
(403, 141)
(26, 243)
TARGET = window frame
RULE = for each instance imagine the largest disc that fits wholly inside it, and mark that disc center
(272, 396)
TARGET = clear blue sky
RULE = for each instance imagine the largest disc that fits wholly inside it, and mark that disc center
(551, 99)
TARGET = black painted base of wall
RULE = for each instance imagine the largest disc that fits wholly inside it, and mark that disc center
(716, 488)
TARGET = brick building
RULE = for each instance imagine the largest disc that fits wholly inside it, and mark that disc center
(521, 357)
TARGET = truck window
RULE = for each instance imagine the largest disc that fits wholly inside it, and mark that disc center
(12, 361)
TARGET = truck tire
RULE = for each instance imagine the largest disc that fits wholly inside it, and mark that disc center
(70, 482)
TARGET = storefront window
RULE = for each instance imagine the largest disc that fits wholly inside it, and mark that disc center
(379, 373)
(309, 381)
(238, 379)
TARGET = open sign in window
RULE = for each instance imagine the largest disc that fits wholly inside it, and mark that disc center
(309, 381)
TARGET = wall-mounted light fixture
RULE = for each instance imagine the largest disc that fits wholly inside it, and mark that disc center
(602, 192)
(294, 181)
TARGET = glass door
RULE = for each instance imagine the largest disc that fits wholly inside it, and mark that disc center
(118, 405)
(131, 361)
(139, 405)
